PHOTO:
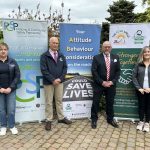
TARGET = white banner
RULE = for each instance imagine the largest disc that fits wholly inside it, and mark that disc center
(129, 35)
(27, 40)
(78, 109)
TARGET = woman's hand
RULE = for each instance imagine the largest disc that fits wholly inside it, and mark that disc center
(7, 91)
(147, 90)
(141, 91)
(2, 90)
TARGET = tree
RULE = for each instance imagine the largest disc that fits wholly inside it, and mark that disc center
(145, 16)
(146, 1)
(105, 32)
(121, 12)
(1, 32)
(54, 17)
(142, 17)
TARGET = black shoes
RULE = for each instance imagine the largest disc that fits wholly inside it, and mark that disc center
(113, 123)
(65, 121)
(94, 124)
(48, 126)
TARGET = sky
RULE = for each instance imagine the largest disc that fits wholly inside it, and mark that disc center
(82, 11)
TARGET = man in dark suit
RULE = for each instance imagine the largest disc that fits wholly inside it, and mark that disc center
(105, 71)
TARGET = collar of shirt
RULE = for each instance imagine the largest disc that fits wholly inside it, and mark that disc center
(52, 53)
(4, 60)
(106, 56)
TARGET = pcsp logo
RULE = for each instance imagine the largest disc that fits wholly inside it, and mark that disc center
(10, 26)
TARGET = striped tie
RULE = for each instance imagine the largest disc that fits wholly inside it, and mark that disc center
(108, 67)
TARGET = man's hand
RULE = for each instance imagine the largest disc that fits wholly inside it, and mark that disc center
(110, 83)
(105, 84)
(56, 81)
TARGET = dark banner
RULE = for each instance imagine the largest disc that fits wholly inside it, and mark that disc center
(126, 105)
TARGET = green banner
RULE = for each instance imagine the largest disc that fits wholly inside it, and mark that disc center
(125, 105)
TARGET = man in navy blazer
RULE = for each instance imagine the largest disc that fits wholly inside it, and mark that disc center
(54, 68)
(104, 83)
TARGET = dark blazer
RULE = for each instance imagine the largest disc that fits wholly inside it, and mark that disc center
(52, 70)
(138, 75)
(99, 71)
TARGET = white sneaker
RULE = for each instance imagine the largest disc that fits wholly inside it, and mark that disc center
(140, 126)
(146, 127)
(3, 131)
(14, 130)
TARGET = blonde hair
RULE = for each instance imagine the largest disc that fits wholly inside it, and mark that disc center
(140, 58)
(4, 44)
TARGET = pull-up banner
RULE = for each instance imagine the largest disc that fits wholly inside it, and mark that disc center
(79, 43)
(27, 40)
(127, 41)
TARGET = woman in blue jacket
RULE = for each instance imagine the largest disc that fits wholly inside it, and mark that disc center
(141, 81)
(9, 77)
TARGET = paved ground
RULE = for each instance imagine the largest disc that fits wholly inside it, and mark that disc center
(77, 136)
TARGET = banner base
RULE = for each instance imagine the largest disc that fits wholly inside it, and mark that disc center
(129, 119)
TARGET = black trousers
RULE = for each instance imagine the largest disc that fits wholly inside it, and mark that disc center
(109, 94)
(144, 106)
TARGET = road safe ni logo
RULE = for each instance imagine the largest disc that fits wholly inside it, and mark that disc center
(138, 37)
